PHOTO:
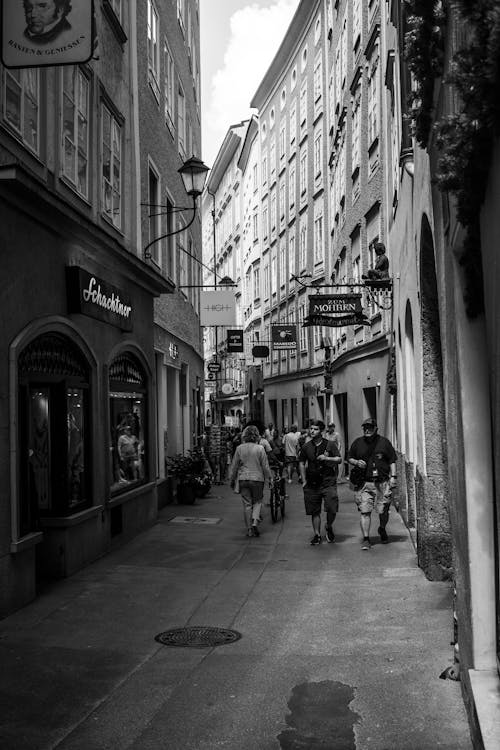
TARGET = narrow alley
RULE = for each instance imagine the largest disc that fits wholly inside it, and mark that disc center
(340, 648)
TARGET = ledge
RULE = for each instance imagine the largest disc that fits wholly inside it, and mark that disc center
(73, 520)
(26, 542)
(143, 489)
(485, 686)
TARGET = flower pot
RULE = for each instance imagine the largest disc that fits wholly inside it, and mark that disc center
(186, 494)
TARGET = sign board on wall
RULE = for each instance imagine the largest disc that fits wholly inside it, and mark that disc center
(89, 295)
(235, 340)
(284, 336)
(335, 304)
(36, 33)
(217, 308)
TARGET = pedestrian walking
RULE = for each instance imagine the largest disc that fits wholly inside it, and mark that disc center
(290, 443)
(251, 468)
(331, 434)
(373, 478)
(318, 463)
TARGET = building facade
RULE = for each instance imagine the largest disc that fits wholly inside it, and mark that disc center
(81, 424)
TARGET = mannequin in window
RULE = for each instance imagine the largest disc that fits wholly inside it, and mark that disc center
(128, 452)
(381, 269)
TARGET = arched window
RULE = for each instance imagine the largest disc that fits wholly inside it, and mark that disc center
(127, 403)
(54, 430)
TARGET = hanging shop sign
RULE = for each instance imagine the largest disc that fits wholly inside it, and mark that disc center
(336, 322)
(89, 295)
(260, 351)
(213, 367)
(235, 340)
(37, 33)
(217, 308)
(226, 389)
(335, 304)
(284, 337)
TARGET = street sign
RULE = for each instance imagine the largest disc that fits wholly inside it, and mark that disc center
(217, 308)
(213, 367)
(335, 304)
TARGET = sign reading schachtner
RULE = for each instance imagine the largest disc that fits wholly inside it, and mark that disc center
(92, 296)
(335, 304)
(46, 32)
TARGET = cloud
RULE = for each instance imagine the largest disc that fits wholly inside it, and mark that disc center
(255, 36)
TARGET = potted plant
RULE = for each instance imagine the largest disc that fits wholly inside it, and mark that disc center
(192, 473)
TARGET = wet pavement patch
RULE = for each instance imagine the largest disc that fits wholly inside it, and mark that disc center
(198, 637)
(320, 717)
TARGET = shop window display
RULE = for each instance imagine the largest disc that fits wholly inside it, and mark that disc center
(127, 420)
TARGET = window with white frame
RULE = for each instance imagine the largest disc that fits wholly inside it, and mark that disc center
(291, 254)
(373, 105)
(255, 178)
(264, 169)
(283, 98)
(356, 269)
(303, 59)
(342, 183)
(183, 260)
(338, 72)
(303, 244)
(293, 78)
(292, 185)
(272, 160)
(153, 49)
(356, 24)
(181, 13)
(265, 220)
(181, 122)
(274, 272)
(318, 81)
(75, 128)
(303, 105)
(302, 331)
(282, 141)
(271, 118)
(265, 278)
(255, 226)
(282, 252)
(293, 122)
(356, 128)
(169, 87)
(317, 30)
(111, 158)
(318, 232)
(256, 282)
(274, 218)
(344, 49)
(282, 201)
(303, 171)
(318, 153)
(21, 105)
(331, 92)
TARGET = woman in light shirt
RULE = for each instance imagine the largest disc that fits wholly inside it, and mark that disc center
(251, 468)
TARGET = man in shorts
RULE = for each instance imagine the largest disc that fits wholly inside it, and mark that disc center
(376, 456)
(318, 463)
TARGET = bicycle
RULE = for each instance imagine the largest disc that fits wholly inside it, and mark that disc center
(277, 496)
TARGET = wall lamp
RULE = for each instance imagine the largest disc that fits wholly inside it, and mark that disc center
(194, 174)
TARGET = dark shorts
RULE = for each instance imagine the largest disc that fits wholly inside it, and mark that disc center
(291, 459)
(314, 496)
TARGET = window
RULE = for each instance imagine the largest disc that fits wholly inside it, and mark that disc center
(181, 122)
(356, 129)
(127, 407)
(373, 98)
(169, 87)
(292, 186)
(282, 141)
(153, 50)
(272, 161)
(356, 24)
(318, 153)
(154, 210)
(117, 8)
(303, 244)
(293, 79)
(271, 118)
(111, 167)
(318, 83)
(181, 14)
(303, 59)
(282, 98)
(256, 283)
(303, 171)
(317, 30)
(266, 279)
(293, 122)
(273, 212)
(255, 226)
(282, 252)
(21, 105)
(282, 201)
(291, 254)
(75, 135)
(303, 105)
(54, 430)
(318, 234)
(265, 221)
(302, 330)
(274, 273)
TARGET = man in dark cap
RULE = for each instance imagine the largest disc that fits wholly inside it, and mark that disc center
(374, 457)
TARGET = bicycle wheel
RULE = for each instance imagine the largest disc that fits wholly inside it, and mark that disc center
(282, 505)
(273, 502)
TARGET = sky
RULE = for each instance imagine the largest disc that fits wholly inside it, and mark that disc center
(239, 40)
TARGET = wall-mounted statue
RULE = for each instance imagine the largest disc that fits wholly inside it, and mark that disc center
(381, 270)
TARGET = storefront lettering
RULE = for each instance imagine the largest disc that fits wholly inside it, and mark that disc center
(108, 303)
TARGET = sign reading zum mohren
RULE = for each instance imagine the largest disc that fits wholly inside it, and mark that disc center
(335, 304)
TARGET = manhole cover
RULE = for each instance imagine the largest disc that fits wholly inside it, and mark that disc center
(198, 637)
